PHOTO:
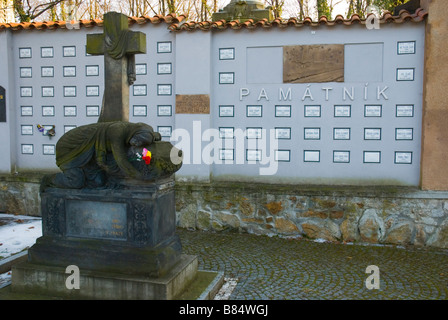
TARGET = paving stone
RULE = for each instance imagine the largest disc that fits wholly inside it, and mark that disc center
(294, 269)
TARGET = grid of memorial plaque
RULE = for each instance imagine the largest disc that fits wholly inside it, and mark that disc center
(152, 95)
(308, 130)
(60, 87)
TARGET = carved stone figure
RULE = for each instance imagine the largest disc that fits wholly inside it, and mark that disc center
(104, 153)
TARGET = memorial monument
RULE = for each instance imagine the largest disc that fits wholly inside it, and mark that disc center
(243, 11)
(110, 212)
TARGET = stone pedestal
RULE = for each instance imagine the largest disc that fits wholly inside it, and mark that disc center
(45, 280)
(122, 240)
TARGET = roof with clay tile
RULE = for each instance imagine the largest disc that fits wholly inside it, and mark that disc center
(168, 19)
(179, 23)
(404, 16)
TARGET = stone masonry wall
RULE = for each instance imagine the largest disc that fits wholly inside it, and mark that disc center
(19, 194)
(401, 216)
(385, 215)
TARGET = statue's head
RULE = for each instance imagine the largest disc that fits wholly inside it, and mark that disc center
(142, 135)
(142, 138)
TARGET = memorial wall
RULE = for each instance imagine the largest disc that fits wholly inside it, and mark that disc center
(328, 129)
(332, 104)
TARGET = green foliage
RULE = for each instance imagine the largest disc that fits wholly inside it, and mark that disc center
(360, 6)
(20, 11)
(324, 9)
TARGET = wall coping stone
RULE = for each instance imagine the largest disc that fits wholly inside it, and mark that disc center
(374, 191)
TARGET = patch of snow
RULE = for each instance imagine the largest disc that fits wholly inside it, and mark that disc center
(320, 240)
(5, 279)
(226, 289)
(18, 233)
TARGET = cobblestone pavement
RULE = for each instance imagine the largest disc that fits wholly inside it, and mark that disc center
(278, 268)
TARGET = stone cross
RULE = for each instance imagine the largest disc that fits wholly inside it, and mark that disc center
(118, 44)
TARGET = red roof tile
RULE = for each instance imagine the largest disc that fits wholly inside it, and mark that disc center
(403, 16)
(178, 23)
(169, 19)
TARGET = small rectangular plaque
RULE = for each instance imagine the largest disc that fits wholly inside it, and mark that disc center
(225, 154)
(69, 91)
(26, 111)
(26, 91)
(164, 90)
(47, 72)
(193, 103)
(404, 110)
(253, 155)
(92, 71)
(283, 111)
(372, 157)
(139, 111)
(311, 156)
(27, 129)
(92, 111)
(226, 78)
(47, 111)
(405, 74)
(226, 133)
(312, 111)
(47, 91)
(69, 111)
(164, 47)
(97, 220)
(139, 90)
(341, 156)
(403, 157)
(165, 131)
(48, 149)
(226, 53)
(254, 111)
(164, 68)
(282, 133)
(282, 155)
(341, 134)
(69, 71)
(26, 72)
(253, 133)
(27, 149)
(372, 110)
(404, 134)
(68, 128)
(24, 53)
(92, 91)
(372, 133)
(69, 51)
(342, 111)
(164, 111)
(311, 134)
(406, 47)
(46, 52)
(226, 111)
(140, 69)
